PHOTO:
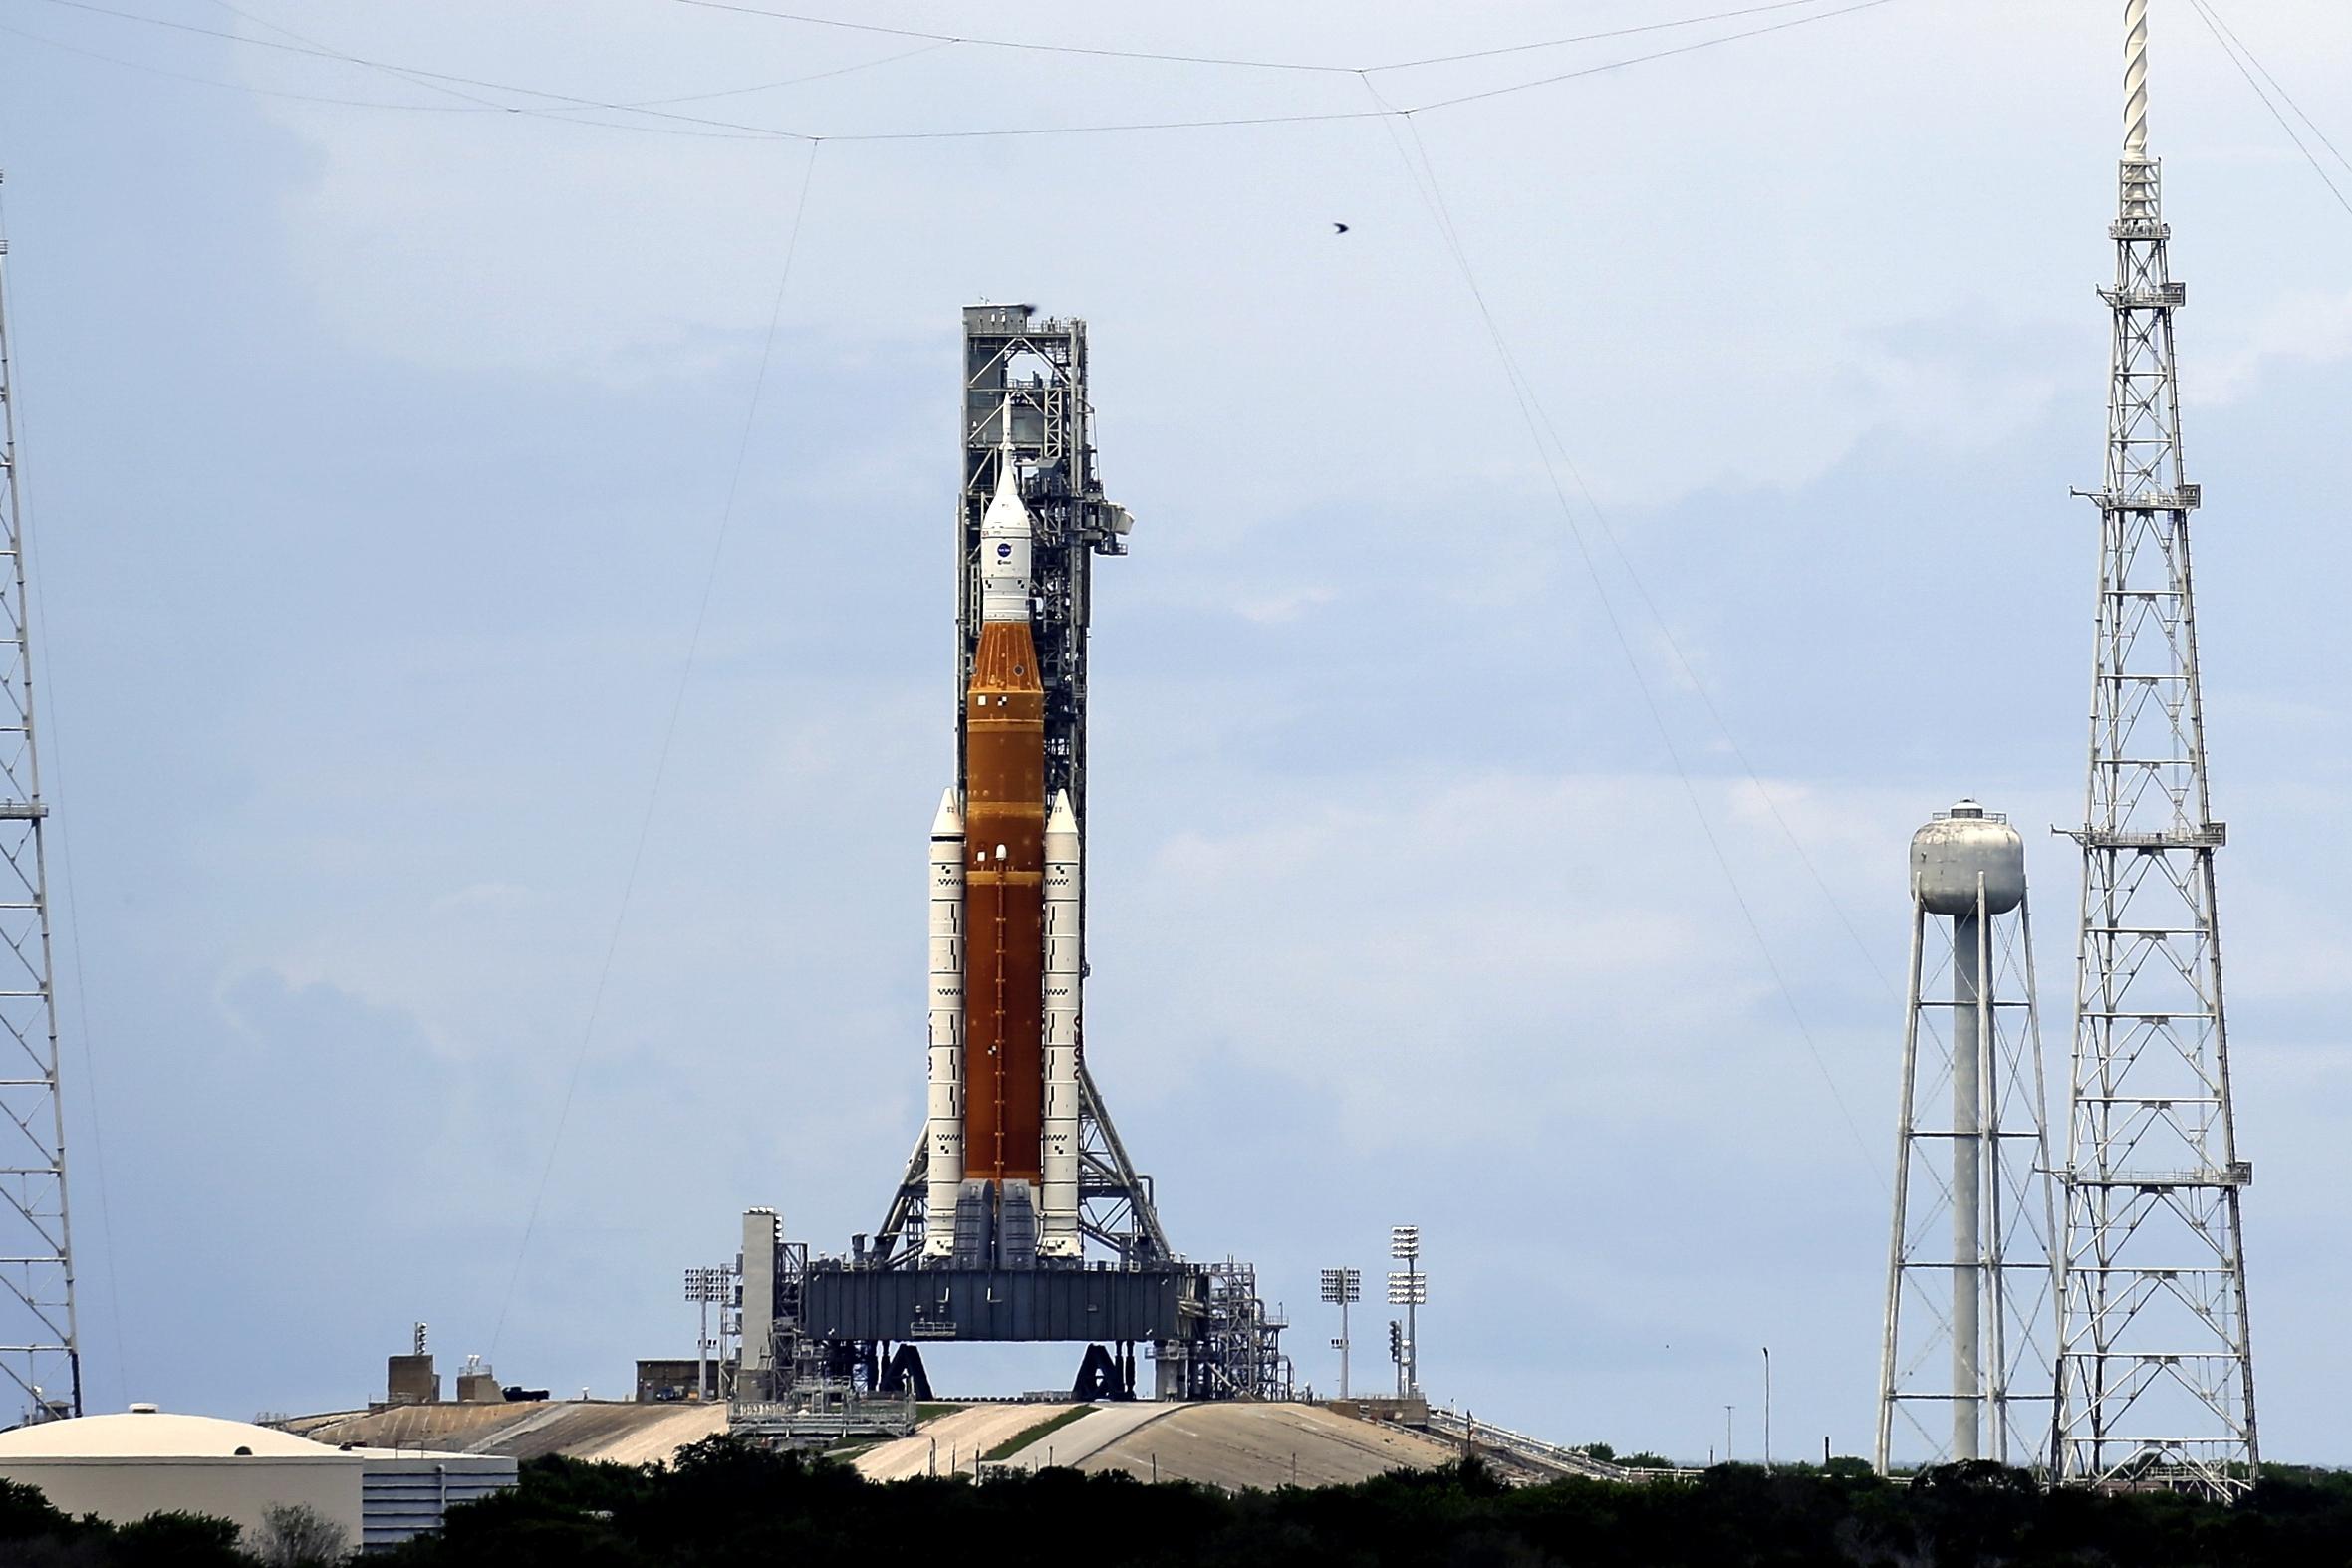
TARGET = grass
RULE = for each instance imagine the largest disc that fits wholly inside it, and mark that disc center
(1021, 1439)
(933, 1411)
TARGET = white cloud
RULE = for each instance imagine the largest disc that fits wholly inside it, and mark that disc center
(2309, 328)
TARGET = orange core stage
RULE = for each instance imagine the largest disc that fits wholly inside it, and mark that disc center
(1004, 909)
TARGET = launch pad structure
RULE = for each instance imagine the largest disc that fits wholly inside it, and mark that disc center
(1019, 1216)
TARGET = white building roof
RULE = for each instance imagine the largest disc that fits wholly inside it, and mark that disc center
(154, 1434)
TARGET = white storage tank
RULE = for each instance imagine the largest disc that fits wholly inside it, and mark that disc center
(1949, 854)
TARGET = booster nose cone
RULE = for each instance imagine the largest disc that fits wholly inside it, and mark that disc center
(948, 824)
(1005, 533)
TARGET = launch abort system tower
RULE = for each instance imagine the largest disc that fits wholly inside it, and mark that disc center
(1018, 1173)
(2155, 1374)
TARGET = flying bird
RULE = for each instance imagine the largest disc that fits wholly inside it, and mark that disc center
(1338, 228)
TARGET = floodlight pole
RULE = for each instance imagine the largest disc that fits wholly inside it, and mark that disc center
(1412, 1333)
(703, 1287)
(1343, 1347)
(1341, 1286)
(1407, 1290)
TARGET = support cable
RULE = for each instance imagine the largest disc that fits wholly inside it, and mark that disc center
(678, 702)
(56, 774)
(1171, 58)
(1425, 184)
(2240, 56)
(568, 107)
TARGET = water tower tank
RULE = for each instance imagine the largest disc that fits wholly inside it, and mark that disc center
(1951, 852)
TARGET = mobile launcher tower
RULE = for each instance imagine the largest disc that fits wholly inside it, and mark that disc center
(1018, 1172)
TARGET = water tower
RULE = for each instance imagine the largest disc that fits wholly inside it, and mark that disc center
(1966, 1367)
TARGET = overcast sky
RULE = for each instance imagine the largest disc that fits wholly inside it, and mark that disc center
(379, 428)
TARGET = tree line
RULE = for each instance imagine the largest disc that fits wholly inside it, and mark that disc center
(723, 1503)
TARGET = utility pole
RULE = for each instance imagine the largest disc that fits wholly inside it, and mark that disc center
(1767, 1408)
(2156, 1370)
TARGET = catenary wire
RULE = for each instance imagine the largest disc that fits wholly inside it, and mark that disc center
(235, 86)
(979, 42)
(735, 129)
(420, 79)
(37, 609)
(1387, 110)
(1239, 63)
(2325, 140)
(770, 87)
(568, 98)
(2215, 15)
(1663, 53)
(678, 702)
(1589, 38)
(1625, 560)
(2232, 47)
(410, 76)
(1432, 193)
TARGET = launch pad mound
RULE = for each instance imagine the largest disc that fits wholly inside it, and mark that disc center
(952, 1439)
(594, 1429)
(1236, 1446)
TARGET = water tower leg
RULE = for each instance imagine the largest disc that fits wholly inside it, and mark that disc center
(1967, 1247)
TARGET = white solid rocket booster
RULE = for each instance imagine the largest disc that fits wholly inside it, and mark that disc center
(1058, 1205)
(946, 1113)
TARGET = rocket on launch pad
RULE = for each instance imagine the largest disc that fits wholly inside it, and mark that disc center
(1005, 950)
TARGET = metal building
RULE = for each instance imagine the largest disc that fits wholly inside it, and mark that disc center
(2155, 1376)
(40, 1344)
(125, 1467)
(1965, 1368)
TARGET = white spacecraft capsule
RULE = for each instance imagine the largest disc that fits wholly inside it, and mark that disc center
(1005, 536)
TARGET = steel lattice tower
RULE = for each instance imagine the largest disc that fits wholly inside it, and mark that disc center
(2154, 1375)
(39, 1347)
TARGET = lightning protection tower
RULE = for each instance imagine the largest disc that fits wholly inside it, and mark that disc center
(1965, 1365)
(39, 1349)
(2156, 1377)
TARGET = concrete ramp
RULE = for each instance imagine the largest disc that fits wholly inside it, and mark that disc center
(658, 1443)
(954, 1440)
(1070, 1446)
(617, 1432)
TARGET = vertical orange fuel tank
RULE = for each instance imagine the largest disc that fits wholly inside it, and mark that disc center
(1005, 866)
